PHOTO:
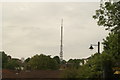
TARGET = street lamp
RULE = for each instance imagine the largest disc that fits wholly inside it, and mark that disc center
(91, 47)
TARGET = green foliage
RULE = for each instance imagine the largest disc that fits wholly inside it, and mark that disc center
(4, 59)
(75, 63)
(27, 60)
(112, 51)
(57, 59)
(88, 72)
(63, 62)
(111, 45)
(9, 63)
(0, 60)
(106, 57)
(92, 69)
(107, 64)
(70, 73)
(95, 66)
(37, 62)
(42, 62)
(109, 16)
(26, 65)
(14, 64)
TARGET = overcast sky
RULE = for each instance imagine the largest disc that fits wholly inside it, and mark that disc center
(34, 28)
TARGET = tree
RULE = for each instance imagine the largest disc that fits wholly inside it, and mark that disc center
(27, 60)
(74, 62)
(107, 62)
(10, 63)
(0, 60)
(4, 59)
(111, 45)
(109, 16)
(26, 65)
(63, 62)
(14, 64)
(70, 73)
(92, 69)
(57, 59)
(42, 62)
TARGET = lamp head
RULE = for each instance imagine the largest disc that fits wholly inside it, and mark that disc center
(91, 47)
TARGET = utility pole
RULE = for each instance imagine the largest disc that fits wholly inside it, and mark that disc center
(61, 45)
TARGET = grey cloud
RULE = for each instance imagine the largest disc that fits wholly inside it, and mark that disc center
(30, 28)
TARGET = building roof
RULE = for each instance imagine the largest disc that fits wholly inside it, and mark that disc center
(31, 74)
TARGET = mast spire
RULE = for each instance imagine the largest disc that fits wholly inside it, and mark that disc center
(61, 45)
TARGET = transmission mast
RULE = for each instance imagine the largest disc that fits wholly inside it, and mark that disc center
(61, 45)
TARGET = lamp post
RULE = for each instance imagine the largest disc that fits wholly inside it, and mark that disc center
(91, 47)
